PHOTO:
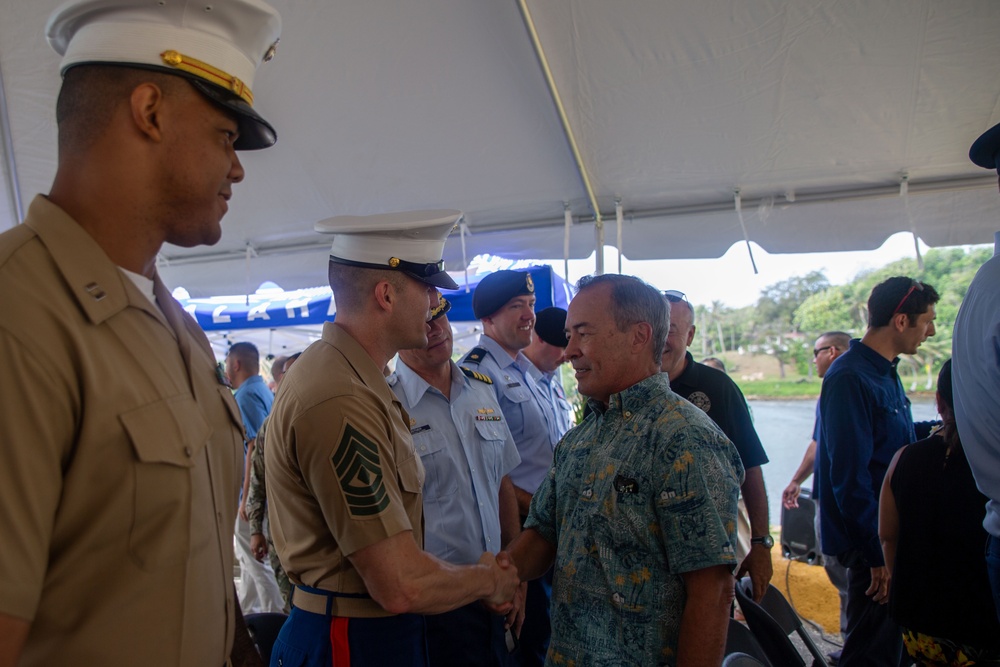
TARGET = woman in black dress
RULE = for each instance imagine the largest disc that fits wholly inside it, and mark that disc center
(930, 524)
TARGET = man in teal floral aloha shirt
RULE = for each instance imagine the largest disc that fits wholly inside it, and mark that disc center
(639, 509)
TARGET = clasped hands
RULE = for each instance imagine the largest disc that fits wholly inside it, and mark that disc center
(509, 592)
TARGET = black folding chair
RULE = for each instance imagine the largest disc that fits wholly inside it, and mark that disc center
(770, 635)
(264, 629)
(775, 604)
(740, 641)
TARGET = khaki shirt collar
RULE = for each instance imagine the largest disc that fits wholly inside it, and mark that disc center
(365, 367)
(94, 280)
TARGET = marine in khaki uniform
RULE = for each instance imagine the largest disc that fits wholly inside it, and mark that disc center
(343, 479)
(119, 442)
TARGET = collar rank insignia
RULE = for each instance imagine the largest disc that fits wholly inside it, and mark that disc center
(475, 375)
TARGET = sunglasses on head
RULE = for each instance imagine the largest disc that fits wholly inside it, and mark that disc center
(915, 287)
(673, 296)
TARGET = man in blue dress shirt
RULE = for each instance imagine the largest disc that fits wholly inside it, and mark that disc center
(469, 505)
(864, 418)
(258, 589)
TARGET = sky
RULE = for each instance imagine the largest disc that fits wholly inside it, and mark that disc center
(730, 278)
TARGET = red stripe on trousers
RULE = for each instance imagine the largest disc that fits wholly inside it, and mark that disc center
(339, 643)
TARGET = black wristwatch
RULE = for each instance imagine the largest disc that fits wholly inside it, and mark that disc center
(766, 540)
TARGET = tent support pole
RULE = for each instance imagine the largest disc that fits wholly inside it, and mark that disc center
(567, 129)
(7, 141)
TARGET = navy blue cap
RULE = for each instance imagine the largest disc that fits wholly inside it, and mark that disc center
(498, 288)
(986, 149)
(550, 325)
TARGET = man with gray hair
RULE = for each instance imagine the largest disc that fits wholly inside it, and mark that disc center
(638, 511)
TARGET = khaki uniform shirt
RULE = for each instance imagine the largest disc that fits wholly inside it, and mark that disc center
(119, 460)
(342, 473)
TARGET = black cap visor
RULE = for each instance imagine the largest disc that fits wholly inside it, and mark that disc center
(986, 149)
(255, 132)
(429, 274)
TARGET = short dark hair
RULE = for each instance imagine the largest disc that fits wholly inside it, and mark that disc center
(90, 94)
(633, 301)
(247, 354)
(899, 294)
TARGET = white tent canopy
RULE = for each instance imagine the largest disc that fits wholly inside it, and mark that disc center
(815, 111)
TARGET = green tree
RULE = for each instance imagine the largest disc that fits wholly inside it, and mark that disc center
(949, 270)
(773, 326)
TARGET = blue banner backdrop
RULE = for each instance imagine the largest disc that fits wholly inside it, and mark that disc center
(270, 310)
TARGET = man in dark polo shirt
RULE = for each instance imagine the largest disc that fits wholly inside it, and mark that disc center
(722, 401)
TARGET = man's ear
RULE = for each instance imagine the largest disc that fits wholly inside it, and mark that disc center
(690, 336)
(385, 295)
(146, 104)
(642, 333)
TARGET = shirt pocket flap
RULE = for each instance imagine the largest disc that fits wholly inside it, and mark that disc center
(411, 475)
(427, 443)
(172, 431)
(490, 430)
(517, 393)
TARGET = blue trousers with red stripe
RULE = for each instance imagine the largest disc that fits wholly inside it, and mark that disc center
(317, 640)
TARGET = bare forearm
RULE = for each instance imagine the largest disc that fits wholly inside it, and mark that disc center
(705, 621)
(510, 520)
(523, 500)
(805, 469)
(442, 587)
(755, 498)
(532, 554)
(888, 518)
(404, 579)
